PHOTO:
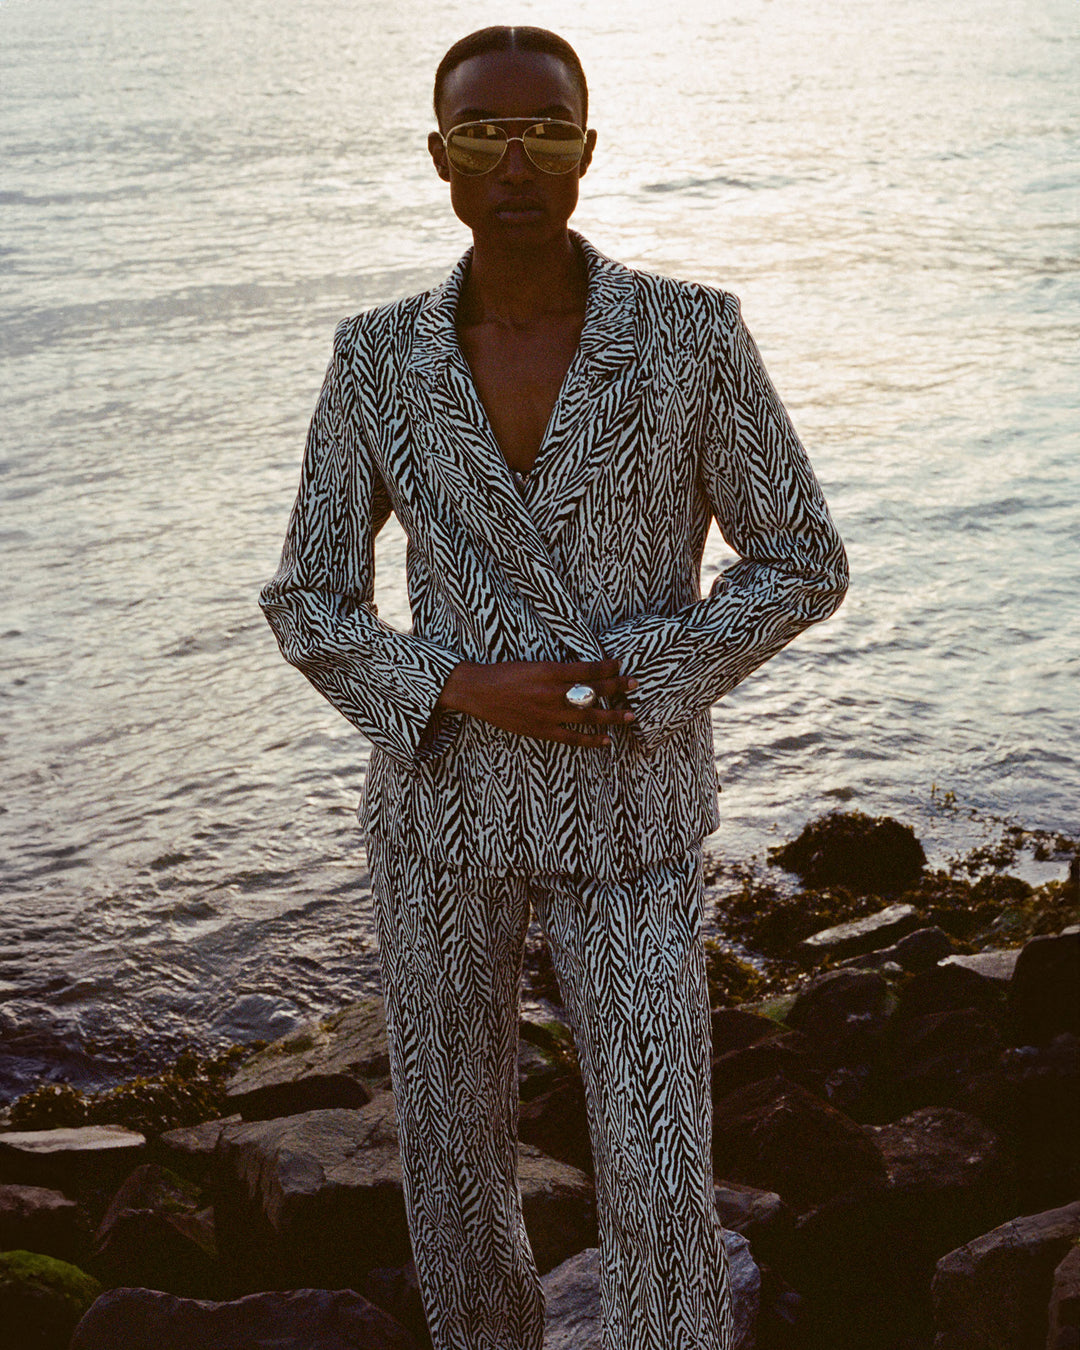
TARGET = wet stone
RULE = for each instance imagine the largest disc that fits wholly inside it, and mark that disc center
(300, 1319)
(997, 966)
(65, 1156)
(862, 935)
(37, 1219)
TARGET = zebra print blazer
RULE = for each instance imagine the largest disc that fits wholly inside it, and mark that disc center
(666, 419)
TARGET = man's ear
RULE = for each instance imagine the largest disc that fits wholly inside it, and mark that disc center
(438, 155)
(586, 158)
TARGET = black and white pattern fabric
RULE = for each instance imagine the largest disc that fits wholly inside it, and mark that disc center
(666, 419)
(630, 965)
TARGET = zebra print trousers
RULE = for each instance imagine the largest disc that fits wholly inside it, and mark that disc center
(630, 966)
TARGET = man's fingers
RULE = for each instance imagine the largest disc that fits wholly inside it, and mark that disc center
(614, 717)
(614, 688)
(568, 737)
(587, 672)
(603, 676)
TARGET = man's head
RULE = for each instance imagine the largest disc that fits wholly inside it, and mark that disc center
(495, 85)
(505, 39)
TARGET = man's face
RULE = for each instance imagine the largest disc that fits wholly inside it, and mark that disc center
(516, 201)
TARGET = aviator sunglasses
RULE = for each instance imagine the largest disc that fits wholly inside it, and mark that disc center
(474, 148)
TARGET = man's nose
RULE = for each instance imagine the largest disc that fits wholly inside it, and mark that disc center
(516, 164)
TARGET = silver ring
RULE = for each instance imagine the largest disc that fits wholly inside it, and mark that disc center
(581, 696)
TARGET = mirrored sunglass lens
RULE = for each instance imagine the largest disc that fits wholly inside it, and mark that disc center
(554, 149)
(476, 148)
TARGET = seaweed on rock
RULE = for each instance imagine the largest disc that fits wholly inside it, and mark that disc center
(864, 854)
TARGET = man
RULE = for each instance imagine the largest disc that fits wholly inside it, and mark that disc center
(554, 432)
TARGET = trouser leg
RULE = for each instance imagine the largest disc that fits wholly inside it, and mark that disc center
(450, 953)
(630, 964)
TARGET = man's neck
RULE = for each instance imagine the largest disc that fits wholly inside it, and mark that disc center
(514, 288)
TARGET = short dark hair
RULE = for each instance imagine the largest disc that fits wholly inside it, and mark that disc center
(521, 38)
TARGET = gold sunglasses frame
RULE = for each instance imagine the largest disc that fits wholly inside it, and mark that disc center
(533, 122)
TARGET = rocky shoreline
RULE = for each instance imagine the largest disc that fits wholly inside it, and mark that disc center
(896, 1085)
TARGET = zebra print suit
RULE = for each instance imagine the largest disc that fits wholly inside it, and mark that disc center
(666, 419)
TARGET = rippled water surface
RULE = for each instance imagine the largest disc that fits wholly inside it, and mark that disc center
(192, 195)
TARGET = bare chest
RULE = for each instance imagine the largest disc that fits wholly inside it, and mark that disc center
(518, 375)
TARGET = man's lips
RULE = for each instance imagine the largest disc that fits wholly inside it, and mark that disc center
(519, 206)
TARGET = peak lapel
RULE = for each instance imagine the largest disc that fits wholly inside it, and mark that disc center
(598, 401)
(452, 431)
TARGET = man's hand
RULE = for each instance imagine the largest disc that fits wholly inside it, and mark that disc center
(529, 698)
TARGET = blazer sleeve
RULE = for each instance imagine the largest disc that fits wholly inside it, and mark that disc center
(792, 569)
(320, 602)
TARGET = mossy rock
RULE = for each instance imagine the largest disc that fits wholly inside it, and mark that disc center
(994, 908)
(190, 1090)
(775, 1009)
(765, 920)
(870, 855)
(41, 1300)
(731, 980)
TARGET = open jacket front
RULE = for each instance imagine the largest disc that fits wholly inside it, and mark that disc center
(666, 419)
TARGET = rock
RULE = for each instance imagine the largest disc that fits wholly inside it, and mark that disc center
(1032, 1097)
(190, 1150)
(785, 1053)
(865, 1258)
(1043, 996)
(572, 1292)
(61, 1158)
(316, 1199)
(41, 1300)
(556, 1122)
(777, 1135)
(745, 1280)
(744, 1208)
(310, 1200)
(948, 1181)
(36, 1219)
(760, 1216)
(772, 1009)
(780, 1314)
(848, 1088)
(994, 1293)
(937, 1149)
(536, 1071)
(544, 1051)
(935, 1060)
(572, 1295)
(735, 1029)
(288, 1191)
(334, 1062)
(559, 1207)
(946, 987)
(865, 855)
(861, 935)
(843, 1013)
(156, 1233)
(918, 950)
(996, 966)
(301, 1319)
(396, 1289)
(923, 948)
(1064, 1316)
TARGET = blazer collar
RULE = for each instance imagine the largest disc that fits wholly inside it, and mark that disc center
(606, 345)
(451, 428)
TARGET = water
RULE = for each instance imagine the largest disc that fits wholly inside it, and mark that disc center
(193, 194)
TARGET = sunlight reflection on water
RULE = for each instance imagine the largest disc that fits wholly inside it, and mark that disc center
(190, 204)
